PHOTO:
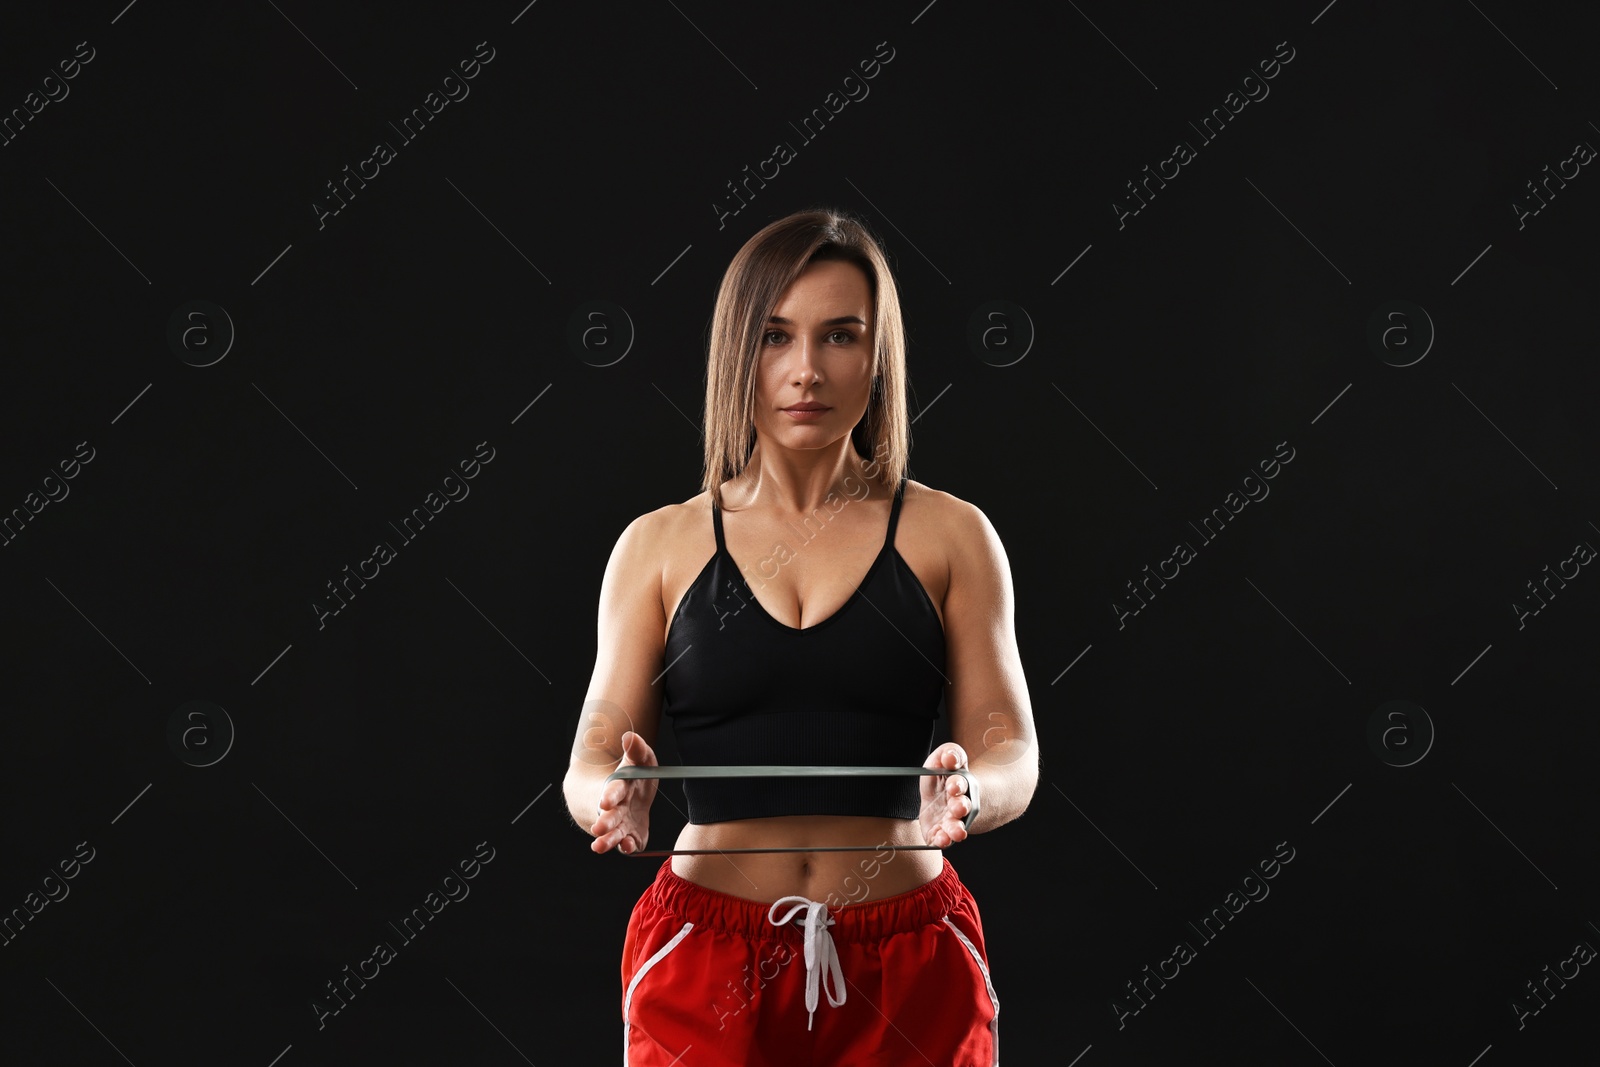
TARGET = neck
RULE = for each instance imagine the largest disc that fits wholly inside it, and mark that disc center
(796, 482)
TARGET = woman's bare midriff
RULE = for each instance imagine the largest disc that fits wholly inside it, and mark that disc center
(848, 877)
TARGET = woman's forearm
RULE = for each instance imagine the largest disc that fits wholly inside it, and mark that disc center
(1004, 789)
(582, 787)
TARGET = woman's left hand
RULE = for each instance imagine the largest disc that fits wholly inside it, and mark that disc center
(945, 799)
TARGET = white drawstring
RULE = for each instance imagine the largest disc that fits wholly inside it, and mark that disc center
(821, 956)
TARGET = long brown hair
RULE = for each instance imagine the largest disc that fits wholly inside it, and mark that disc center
(756, 278)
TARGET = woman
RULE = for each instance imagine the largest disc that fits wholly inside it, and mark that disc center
(840, 604)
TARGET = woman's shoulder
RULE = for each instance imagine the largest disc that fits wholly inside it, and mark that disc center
(668, 522)
(938, 505)
(939, 533)
(655, 544)
(959, 526)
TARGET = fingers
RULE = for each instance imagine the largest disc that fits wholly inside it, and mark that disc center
(636, 751)
(957, 809)
(606, 813)
(951, 833)
(608, 819)
(947, 828)
(950, 829)
(618, 839)
(950, 756)
(612, 796)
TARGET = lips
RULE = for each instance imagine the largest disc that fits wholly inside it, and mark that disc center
(807, 407)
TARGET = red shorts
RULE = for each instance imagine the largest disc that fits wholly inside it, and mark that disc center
(709, 980)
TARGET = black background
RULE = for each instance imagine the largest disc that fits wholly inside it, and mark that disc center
(373, 353)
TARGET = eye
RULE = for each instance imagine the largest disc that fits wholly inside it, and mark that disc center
(766, 338)
(845, 334)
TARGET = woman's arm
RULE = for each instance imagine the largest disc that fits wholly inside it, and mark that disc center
(991, 717)
(625, 690)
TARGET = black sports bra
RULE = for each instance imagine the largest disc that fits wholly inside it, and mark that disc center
(860, 688)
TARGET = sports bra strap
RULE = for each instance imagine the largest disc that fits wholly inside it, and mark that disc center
(716, 523)
(894, 513)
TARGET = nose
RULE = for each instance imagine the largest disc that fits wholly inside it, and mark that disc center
(805, 363)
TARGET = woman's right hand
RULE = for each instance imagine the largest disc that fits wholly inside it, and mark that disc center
(623, 820)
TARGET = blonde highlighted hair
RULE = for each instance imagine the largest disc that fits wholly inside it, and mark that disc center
(755, 280)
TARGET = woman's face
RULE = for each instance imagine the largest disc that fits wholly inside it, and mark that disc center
(816, 348)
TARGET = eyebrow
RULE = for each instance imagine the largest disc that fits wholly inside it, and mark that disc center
(841, 320)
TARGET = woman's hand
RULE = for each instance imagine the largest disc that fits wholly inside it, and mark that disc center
(945, 801)
(623, 820)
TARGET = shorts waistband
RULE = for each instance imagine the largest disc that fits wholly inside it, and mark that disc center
(869, 920)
